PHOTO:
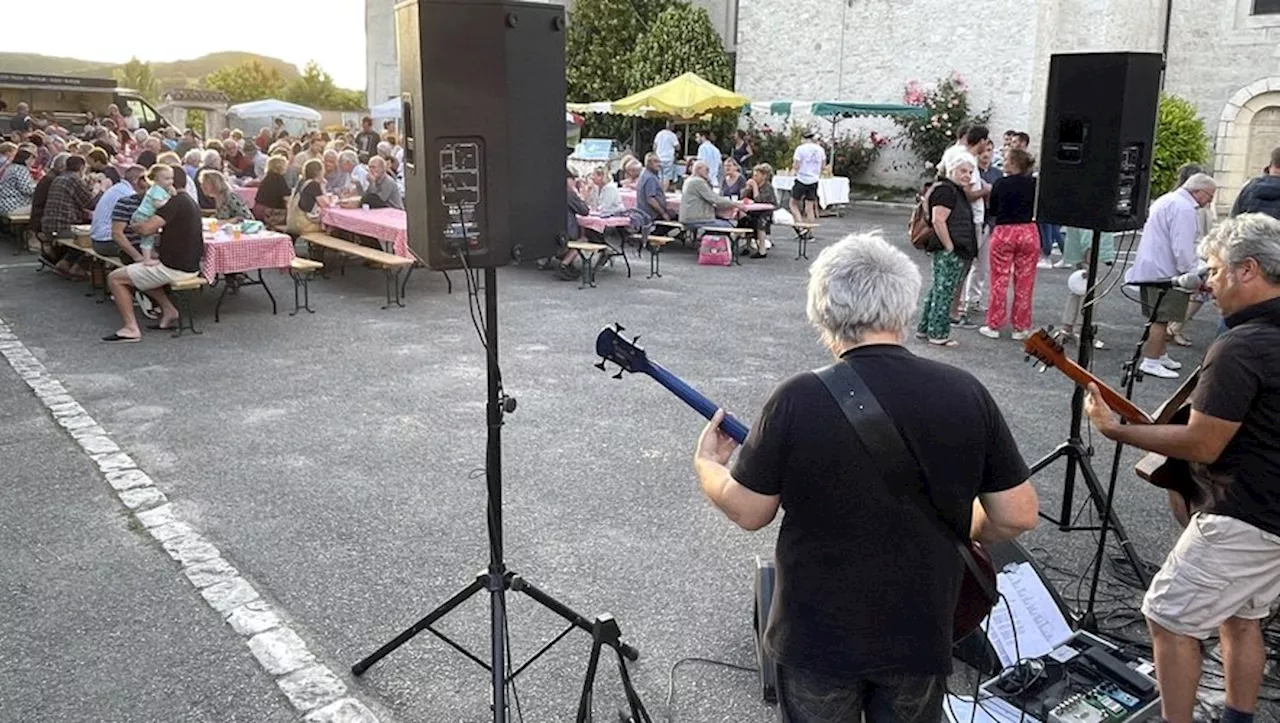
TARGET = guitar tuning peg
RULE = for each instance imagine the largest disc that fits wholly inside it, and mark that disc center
(1026, 358)
(618, 327)
(1042, 368)
(635, 339)
(618, 375)
(600, 365)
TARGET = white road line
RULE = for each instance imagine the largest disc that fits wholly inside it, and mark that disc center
(315, 692)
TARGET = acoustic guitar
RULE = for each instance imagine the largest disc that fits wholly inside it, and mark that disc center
(973, 605)
(1172, 475)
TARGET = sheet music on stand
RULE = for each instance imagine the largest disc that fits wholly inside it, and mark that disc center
(1030, 609)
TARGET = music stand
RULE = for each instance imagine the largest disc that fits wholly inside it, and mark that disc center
(1078, 455)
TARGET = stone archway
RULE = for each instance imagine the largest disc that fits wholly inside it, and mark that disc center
(1247, 131)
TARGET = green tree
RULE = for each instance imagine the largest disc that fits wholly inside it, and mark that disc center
(316, 89)
(247, 81)
(600, 36)
(137, 75)
(1180, 139)
(656, 59)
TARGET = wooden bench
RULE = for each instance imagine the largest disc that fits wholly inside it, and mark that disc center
(654, 244)
(303, 271)
(734, 235)
(180, 291)
(99, 265)
(681, 232)
(804, 234)
(18, 224)
(391, 264)
(586, 250)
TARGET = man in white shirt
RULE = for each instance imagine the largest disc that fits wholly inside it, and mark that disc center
(710, 155)
(665, 144)
(807, 163)
(1167, 250)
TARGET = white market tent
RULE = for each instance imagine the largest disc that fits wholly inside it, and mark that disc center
(385, 110)
(272, 108)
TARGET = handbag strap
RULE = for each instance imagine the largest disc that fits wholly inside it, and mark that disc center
(890, 458)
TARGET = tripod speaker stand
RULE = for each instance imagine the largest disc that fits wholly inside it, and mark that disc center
(497, 579)
(1078, 455)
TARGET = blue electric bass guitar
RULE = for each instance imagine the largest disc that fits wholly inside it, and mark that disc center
(973, 605)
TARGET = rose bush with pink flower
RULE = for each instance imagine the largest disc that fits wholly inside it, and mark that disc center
(947, 107)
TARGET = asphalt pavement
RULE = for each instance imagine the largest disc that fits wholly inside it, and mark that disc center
(333, 459)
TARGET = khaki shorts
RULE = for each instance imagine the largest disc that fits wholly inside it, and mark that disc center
(1173, 307)
(1221, 568)
(146, 278)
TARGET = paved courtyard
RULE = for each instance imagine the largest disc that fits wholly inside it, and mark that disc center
(332, 460)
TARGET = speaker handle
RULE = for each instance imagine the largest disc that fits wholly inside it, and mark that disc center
(407, 133)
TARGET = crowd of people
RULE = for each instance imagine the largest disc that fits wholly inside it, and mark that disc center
(143, 194)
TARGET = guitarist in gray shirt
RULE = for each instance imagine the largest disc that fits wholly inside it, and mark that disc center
(1224, 573)
(867, 586)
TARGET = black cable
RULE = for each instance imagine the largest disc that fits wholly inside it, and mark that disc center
(671, 677)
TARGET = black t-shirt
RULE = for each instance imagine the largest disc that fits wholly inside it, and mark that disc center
(1240, 382)
(273, 192)
(308, 194)
(1013, 199)
(866, 584)
(182, 238)
(964, 237)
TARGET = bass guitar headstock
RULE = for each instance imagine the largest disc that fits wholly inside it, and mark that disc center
(612, 347)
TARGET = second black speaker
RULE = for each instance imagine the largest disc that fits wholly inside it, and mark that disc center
(482, 101)
(1099, 132)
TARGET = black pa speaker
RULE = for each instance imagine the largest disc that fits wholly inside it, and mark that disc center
(482, 93)
(1099, 128)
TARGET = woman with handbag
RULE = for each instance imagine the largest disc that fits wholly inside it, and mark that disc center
(308, 200)
(952, 219)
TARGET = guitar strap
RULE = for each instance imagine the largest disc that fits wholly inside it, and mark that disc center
(890, 458)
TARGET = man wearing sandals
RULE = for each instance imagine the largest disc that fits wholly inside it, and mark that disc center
(180, 250)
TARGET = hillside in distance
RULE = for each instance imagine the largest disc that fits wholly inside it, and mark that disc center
(174, 74)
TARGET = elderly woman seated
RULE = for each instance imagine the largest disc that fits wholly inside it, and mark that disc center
(335, 181)
(631, 175)
(227, 204)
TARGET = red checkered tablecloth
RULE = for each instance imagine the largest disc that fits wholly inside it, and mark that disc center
(266, 250)
(388, 225)
(247, 194)
(600, 223)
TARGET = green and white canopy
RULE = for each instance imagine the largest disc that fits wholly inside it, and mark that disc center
(835, 109)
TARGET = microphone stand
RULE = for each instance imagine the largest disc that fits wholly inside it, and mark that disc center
(1078, 455)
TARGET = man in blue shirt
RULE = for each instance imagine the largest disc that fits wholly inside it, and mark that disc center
(131, 183)
(1168, 249)
(651, 202)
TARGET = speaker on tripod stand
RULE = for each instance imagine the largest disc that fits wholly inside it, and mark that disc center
(483, 107)
(1096, 153)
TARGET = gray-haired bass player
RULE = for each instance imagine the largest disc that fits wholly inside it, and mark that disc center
(1223, 575)
(861, 623)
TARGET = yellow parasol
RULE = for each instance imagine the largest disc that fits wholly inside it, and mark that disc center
(687, 96)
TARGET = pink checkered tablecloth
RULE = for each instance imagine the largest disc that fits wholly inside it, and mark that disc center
(673, 204)
(247, 194)
(601, 223)
(265, 250)
(388, 225)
